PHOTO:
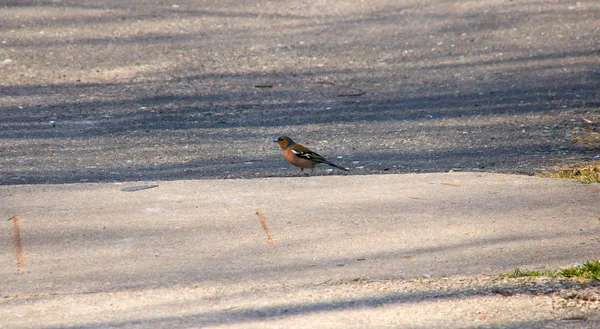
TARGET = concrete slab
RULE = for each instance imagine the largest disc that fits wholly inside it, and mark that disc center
(95, 237)
(294, 252)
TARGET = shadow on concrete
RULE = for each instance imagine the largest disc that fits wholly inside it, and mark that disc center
(289, 310)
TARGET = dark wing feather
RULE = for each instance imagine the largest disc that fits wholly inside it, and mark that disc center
(308, 155)
(304, 153)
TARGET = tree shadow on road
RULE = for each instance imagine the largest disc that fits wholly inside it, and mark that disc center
(160, 93)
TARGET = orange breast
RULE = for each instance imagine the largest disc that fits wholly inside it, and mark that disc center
(296, 161)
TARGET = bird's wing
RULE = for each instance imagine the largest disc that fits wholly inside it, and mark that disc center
(305, 153)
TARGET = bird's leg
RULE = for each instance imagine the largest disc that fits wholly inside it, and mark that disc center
(300, 172)
(311, 171)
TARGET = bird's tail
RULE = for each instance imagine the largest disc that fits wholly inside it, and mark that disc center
(334, 165)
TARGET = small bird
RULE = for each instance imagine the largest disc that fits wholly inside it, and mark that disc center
(301, 156)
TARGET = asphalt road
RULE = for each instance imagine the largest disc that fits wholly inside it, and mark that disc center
(103, 91)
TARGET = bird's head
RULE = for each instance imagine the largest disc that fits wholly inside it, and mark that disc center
(284, 142)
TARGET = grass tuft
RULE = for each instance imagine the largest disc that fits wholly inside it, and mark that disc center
(590, 269)
(587, 134)
(519, 273)
(587, 174)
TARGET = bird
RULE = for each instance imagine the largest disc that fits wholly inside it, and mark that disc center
(301, 156)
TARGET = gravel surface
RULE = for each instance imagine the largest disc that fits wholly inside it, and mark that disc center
(458, 302)
(155, 90)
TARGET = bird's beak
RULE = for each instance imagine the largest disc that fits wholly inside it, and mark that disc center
(276, 140)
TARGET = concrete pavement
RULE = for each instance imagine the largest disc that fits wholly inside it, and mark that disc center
(85, 239)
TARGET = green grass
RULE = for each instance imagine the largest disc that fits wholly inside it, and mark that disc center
(518, 273)
(588, 270)
(587, 173)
